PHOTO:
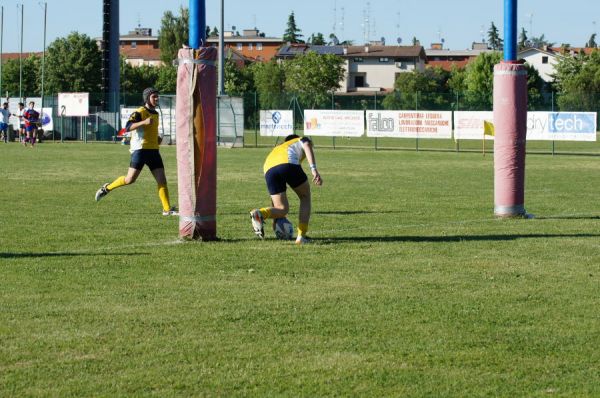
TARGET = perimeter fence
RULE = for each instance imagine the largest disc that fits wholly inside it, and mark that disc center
(238, 118)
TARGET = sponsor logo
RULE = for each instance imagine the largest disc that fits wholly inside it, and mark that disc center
(379, 123)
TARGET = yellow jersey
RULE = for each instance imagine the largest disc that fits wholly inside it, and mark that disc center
(144, 137)
(290, 151)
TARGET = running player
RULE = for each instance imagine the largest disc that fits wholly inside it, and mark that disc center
(283, 167)
(144, 148)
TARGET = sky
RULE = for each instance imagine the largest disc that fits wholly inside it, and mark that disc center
(459, 23)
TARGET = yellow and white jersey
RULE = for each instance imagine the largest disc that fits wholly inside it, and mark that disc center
(144, 137)
(289, 152)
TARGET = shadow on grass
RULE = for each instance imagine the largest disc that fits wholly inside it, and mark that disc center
(449, 238)
(580, 217)
(63, 254)
(354, 212)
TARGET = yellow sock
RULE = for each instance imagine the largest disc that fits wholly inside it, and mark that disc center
(119, 182)
(302, 229)
(266, 212)
(163, 194)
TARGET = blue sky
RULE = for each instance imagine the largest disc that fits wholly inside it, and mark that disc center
(458, 22)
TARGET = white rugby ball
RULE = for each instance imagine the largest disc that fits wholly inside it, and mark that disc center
(283, 228)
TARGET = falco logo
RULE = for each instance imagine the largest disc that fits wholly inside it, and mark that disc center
(378, 123)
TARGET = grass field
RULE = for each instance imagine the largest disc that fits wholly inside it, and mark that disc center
(411, 287)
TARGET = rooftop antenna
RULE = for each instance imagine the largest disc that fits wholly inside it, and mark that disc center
(342, 24)
(482, 32)
(334, 16)
(530, 24)
(254, 20)
(366, 23)
(398, 23)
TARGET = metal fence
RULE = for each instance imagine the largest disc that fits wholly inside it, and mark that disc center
(238, 118)
(464, 101)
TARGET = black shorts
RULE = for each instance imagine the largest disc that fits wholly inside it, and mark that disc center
(150, 157)
(277, 177)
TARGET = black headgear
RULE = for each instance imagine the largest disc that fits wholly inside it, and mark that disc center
(147, 93)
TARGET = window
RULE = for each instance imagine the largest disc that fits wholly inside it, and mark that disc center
(544, 60)
(249, 46)
(384, 59)
(359, 81)
(133, 44)
(358, 59)
(259, 46)
(240, 46)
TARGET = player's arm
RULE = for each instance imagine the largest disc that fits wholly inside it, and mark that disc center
(312, 162)
(135, 122)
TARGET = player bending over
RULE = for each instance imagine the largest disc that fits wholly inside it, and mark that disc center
(283, 167)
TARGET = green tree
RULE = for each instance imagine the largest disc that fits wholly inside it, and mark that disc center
(420, 90)
(494, 39)
(31, 77)
(540, 42)
(166, 81)
(73, 63)
(173, 34)
(238, 80)
(292, 33)
(577, 80)
(313, 77)
(591, 43)
(214, 32)
(269, 80)
(134, 79)
(479, 80)
(523, 40)
(317, 39)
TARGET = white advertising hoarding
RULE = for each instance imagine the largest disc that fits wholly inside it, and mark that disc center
(276, 123)
(73, 104)
(561, 126)
(163, 116)
(334, 123)
(469, 125)
(409, 124)
(541, 126)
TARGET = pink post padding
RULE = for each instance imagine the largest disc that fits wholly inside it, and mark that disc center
(196, 143)
(510, 125)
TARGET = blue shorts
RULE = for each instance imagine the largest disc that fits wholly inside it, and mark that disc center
(3, 126)
(277, 177)
(31, 127)
(150, 157)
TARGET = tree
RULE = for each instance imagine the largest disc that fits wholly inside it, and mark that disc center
(166, 82)
(540, 42)
(494, 38)
(173, 34)
(215, 32)
(31, 76)
(238, 80)
(415, 41)
(592, 41)
(423, 90)
(479, 80)
(73, 63)
(269, 80)
(333, 40)
(134, 79)
(523, 40)
(292, 33)
(313, 77)
(577, 80)
(317, 39)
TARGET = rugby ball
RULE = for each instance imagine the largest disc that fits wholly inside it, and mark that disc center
(283, 228)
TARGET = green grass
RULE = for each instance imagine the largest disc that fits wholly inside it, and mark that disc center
(411, 287)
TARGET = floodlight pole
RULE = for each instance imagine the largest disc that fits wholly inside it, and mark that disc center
(221, 73)
(43, 58)
(1, 39)
(21, 57)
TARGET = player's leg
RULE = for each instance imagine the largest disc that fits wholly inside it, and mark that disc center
(303, 192)
(155, 163)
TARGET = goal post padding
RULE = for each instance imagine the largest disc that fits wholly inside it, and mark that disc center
(196, 143)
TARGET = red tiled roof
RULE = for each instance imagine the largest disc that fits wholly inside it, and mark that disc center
(385, 51)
